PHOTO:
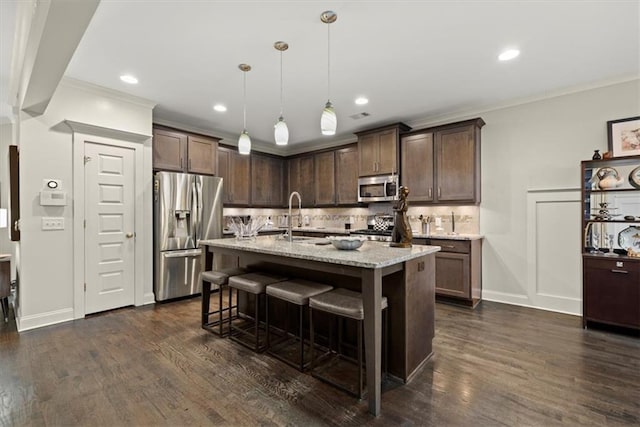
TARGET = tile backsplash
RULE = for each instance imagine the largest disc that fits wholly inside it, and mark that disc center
(467, 218)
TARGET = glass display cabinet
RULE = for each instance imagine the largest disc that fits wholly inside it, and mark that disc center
(611, 242)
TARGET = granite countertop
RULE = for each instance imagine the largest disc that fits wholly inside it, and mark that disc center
(369, 255)
(449, 236)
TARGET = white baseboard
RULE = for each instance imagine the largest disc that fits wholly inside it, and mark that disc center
(26, 323)
(520, 300)
(149, 298)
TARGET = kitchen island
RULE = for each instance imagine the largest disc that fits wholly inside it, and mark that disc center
(406, 276)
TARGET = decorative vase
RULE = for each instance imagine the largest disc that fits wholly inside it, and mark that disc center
(596, 155)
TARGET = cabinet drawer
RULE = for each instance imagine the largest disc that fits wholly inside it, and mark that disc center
(612, 264)
(457, 246)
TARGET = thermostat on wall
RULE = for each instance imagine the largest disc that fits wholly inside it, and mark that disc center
(51, 194)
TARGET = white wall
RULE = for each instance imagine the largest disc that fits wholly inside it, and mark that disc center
(531, 251)
(46, 148)
(5, 140)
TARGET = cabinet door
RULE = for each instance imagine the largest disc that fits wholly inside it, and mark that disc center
(261, 182)
(368, 154)
(224, 173)
(325, 180)
(202, 155)
(301, 179)
(239, 176)
(387, 152)
(417, 166)
(612, 293)
(452, 274)
(456, 164)
(277, 172)
(169, 150)
(347, 176)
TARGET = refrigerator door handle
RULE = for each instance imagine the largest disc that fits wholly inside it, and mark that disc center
(180, 254)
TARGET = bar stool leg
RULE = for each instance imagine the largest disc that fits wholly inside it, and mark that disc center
(360, 384)
(300, 313)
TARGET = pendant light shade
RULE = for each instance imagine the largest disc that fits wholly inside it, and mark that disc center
(329, 120)
(244, 142)
(281, 131)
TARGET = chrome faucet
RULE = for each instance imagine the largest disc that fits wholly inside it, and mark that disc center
(289, 226)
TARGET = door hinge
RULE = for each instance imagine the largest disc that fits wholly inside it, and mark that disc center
(85, 223)
(87, 159)
(85, 287)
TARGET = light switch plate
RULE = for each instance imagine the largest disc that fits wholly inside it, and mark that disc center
(52, 223)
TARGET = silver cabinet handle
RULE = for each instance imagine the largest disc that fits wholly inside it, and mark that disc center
(16, 225)
(189, 164)
(439, 192)
(620, 271)
(430, 192)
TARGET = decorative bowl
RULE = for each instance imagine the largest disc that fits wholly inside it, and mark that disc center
(347, 243)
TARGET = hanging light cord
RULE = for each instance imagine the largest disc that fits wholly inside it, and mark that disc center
(244, 102)
(328, 61)
(281, 88)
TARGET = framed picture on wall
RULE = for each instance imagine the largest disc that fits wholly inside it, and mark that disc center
(624, 136)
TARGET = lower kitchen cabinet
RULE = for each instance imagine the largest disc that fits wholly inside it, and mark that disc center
(458, 270)
(611, 293)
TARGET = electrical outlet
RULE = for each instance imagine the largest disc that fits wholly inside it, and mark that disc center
(52, 223)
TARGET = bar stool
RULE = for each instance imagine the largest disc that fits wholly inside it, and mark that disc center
(297, 292)
(253, 284)
(343, 303)
(221, 279)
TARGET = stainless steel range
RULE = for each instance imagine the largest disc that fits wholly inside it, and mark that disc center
(377, 235)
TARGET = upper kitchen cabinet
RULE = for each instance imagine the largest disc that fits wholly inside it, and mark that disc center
(418, 166)
(183, 152)
(301, 178)
(378, 149)
(442, 164)
(457, 154)
(325, 178)
(347, 176)
(266, 182)
(234, 169)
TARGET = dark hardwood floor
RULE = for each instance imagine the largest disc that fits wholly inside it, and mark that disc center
(496, 365)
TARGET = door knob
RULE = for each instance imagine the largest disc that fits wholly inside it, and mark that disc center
(130, 235)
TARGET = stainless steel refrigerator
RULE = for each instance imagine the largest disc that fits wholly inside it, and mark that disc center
(187, 209)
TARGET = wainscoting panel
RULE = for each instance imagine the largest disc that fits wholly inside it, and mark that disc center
(554, 273)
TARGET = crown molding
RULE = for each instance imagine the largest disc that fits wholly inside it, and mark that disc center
(103, 91)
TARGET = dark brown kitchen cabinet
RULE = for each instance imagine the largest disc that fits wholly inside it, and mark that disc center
(611, 293)
(442, 164)
(458, 270)
(417, 166)
(457, 159)
(266, 182)
(325, 178)
(301, 179)
(347, 176)
(234, 169)
(183, 152)
(378, 150)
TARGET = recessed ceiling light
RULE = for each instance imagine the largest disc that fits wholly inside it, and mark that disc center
(509, 54)
(362, 100)
(220, 108)
(128, 78)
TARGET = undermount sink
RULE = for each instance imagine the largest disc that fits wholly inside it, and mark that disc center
(298, 238)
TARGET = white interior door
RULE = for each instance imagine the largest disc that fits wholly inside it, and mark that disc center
(109, 234)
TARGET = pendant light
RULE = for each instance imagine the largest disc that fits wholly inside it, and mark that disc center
(244, 142)
(328, 121)
(281, 131)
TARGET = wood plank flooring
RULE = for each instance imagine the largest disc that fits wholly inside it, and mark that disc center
(496, 365)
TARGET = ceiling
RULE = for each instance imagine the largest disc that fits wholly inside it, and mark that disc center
(414, 60)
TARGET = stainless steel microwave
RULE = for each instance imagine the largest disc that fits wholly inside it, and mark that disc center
(378, 188)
